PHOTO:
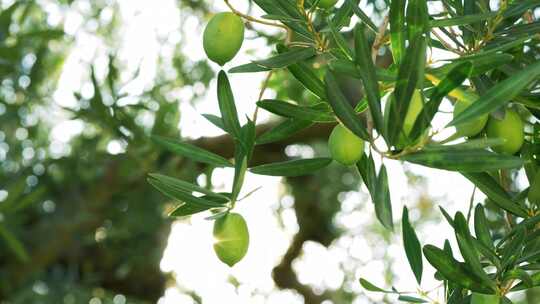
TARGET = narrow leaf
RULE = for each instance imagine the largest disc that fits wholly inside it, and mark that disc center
(453, 270)
(287, 58)
(485, 183)
(292, 167)
(227, 106)
(171, 190)
(383, 206)
(290, 110)
(481, 227)
(397, 29)
(191, 151)
(413, 249)
(369, 77)
(411, 70)
(342, 108)
(464, 160)
(283, 131)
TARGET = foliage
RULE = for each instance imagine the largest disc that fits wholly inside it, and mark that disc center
(492, 64)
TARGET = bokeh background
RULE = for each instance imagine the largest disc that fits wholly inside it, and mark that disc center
(82, 86)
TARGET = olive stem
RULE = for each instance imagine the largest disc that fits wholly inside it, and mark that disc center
(253, 19)
(261, 93)
(379, 39)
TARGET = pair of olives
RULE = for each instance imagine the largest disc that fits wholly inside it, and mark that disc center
(347, 148)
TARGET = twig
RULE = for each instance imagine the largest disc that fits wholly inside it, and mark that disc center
(253, 19)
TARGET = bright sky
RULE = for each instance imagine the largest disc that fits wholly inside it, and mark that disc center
(151, 29)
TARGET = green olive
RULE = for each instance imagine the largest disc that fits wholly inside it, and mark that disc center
(345, 147)
(478, 298)
(534, 189)
(231, 238)
(327, 3)
(223, 37)
(470, 128)
(510, 129)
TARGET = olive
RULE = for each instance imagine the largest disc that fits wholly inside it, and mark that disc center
(223, 37)
(478, 298)
(345, 147)
(510, 129)
(231, 238)
(470, 128)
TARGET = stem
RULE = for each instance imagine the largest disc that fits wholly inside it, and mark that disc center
(261, 93)
(253, 19)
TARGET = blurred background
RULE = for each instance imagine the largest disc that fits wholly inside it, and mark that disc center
(82, 86)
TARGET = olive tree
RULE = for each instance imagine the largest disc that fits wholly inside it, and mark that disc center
(490, 75)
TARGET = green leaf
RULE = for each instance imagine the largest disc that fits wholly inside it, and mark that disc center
(184, 186)
(485, 183)
(410, 299)
(215, 120)
(285, 59)
(344, 13)
(288, 9)
(452, 80)
(249, 68)
(512, 250)
(340, 41)
(369, 77)
(296, 167)
(366, 168)
(227, 106)
(417, 18)
(464, 160)
(172, 189)
(397, 29)
(499, 94)
(462, 20)
(362, 16)
(283, 131)
(242, 156)
(383, 205)
(481, 64)
(413, 249)
(453, 270)
(342, 108)
(16, 246)
(191, 151)
(468, 250)
(186, 210)
(371, 287)
(481, 227)
(411, 70)
(286, 109)
(306, 76)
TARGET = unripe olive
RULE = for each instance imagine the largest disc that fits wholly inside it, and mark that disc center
(327, 3)
(478, 298)
(223, 37)
(534, 189)
(345, 147)
(470, 128)
(231, 238)
(510, 129)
